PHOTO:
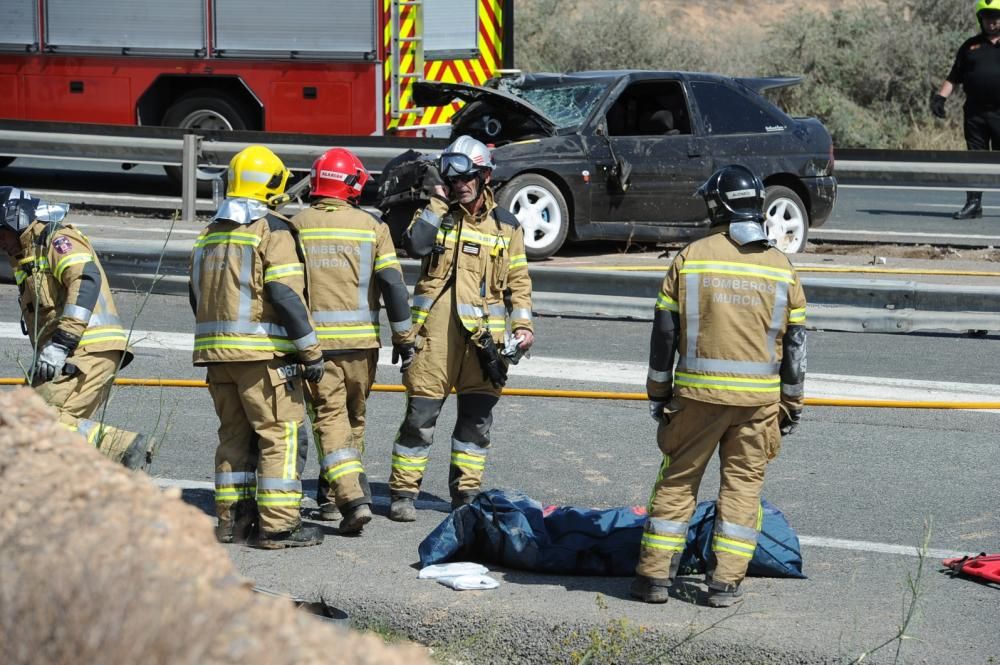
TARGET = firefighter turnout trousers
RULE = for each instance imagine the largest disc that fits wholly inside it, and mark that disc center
(446, 360)
(747, 438)
(79, 396)
(338, 403)
(262, 441)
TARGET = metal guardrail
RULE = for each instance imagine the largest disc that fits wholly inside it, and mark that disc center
(175, 147)
(854, 305)
(166, 146)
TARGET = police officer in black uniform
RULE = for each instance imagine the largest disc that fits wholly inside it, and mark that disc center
(977, 68)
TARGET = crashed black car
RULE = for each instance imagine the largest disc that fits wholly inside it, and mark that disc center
(618, 154)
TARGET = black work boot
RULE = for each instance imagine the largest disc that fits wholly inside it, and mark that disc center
(402, 510)
(462, 499)
(300, 536)
(328, 512)
(224, 532)
(241, 527)
(721, 594)
(650, 589)
(139, 454)
(356, 518)
(973, 208)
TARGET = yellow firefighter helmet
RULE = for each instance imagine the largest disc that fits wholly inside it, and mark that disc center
(256, 173)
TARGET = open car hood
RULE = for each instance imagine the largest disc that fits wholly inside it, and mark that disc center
(489, 115)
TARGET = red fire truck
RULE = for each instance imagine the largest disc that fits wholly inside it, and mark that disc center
(342, 67)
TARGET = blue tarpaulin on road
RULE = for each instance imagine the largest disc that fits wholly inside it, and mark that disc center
(513, 530)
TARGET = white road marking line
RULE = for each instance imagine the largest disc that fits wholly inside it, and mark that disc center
(810, 541)
(913, 187)
(880, 548)
(951, 205)
(633, 374)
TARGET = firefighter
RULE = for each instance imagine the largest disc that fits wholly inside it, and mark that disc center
(473, 282)
(69, 316)
(733, 312)
(254, 334)
(977, 69)
(350, 261)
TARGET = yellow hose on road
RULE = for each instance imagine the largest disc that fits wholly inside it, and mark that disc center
(589, 394)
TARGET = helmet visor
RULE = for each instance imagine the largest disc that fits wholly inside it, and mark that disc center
(18, 210)
(455, 164)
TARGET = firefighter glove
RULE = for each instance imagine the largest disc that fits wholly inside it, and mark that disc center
(937, 105)
(51, 361)
(313, 371)
(789, 421)
(405, 353)
(657, 411)
(431, 182)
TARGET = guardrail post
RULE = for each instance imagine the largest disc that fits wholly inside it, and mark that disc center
(189, 168)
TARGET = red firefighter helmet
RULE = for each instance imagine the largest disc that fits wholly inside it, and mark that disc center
(338, 174)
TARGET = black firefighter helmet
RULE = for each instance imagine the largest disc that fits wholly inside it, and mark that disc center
(734, 193)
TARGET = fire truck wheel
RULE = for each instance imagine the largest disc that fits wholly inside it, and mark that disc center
(202, 109)
(5, 162)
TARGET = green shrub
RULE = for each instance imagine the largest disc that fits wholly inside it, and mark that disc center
(564, 35)
(869, 70)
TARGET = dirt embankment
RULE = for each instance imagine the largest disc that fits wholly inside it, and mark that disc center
(97, 565)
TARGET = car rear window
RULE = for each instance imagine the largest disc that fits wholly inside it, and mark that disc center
(724, 110)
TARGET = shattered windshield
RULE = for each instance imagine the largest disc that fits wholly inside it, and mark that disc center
(565, 104)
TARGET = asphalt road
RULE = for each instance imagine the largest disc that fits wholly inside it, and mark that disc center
(863, 213)
(861, 486)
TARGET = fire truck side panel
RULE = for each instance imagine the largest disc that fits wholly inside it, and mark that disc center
(310, 97)
(12, 98)
(322, 66)
(104, 99)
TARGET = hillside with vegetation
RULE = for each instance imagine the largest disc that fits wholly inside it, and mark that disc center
(869, 68)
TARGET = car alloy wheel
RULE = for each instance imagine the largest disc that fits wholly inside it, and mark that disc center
(541, 209)
(786, 221)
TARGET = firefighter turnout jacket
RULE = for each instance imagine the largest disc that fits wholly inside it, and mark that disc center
(64, 291)
(247, 282)
(474, 278)
(65, 299)
(479, 257)
(350, 263)
(735, 316)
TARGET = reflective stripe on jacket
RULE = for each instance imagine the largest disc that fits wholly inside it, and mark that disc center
(481, 257)
(350, 264)
(63, 287)
(231, 267)
(734, 305)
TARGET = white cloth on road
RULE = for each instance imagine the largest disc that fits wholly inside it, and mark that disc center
(469, 582)
(454, 569)
(459, 575)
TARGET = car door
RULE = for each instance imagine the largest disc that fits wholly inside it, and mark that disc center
(648, 129)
